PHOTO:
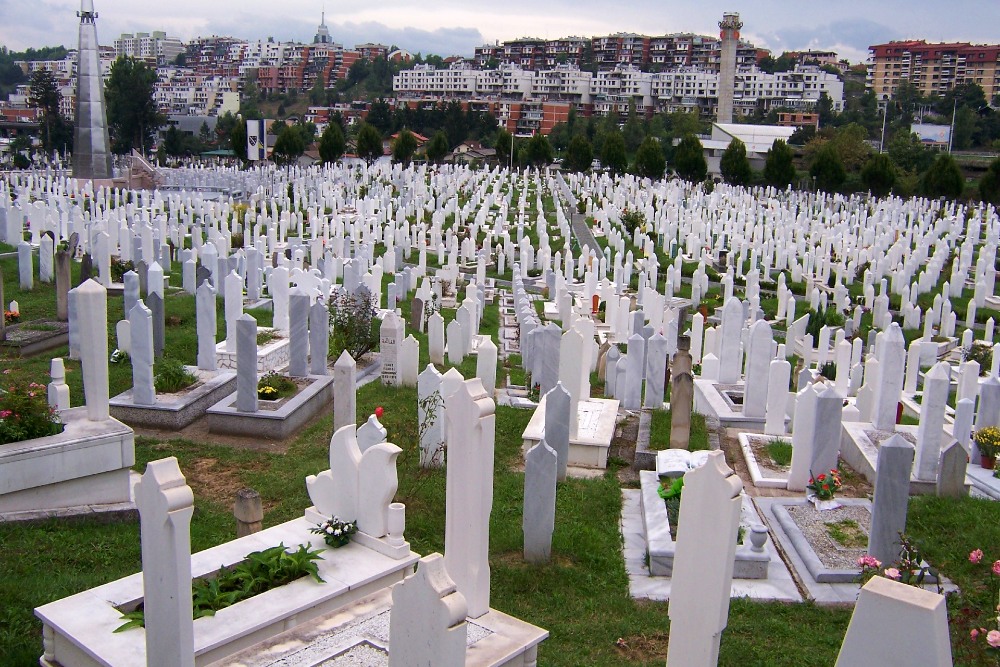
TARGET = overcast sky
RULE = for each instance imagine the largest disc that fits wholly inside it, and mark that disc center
(456, 27)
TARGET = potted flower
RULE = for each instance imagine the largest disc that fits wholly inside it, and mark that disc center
(822, 489)
(336, 533)
(988, 441)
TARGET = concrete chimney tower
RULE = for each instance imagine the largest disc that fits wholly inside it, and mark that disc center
(91, 146)
(730, 36)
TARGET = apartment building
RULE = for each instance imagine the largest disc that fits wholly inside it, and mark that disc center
(614, 91)
(934, 68)
(155, 48)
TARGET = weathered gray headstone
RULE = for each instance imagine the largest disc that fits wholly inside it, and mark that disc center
(892, 492)
(206, 325)
(558, 403)
(155, 304)
(951, 471)
(130, 291)
(63, 285)
(298, 333)
(681, 395)
(540, 470)
(344, 391)
(319, 338)
(246, 363)
(141, 326)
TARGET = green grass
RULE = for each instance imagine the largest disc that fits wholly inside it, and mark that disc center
(780, 451)
(659, 431)
(847, 533)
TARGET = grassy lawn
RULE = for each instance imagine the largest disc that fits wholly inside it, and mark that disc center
(581, 596)
(659, 431)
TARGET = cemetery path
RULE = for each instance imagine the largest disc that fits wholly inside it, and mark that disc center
(578, 222)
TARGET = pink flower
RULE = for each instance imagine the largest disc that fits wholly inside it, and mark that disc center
(973, 634)
(6, 371)
(869, 561)
(996, 568)
(976, 556)
(892, 573)
(993, 638)
(5, 413)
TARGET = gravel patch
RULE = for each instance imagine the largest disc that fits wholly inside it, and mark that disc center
(812, 523)
(878, 437)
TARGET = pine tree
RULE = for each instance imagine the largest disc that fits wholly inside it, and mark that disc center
(649, 159)
(734, 165)
(778, 168)
(689, 159)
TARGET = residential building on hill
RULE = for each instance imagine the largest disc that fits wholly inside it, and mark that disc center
(934, 68)
(154, 48)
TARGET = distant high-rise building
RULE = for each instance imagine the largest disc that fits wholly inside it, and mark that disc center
(730, 36)
(933, 68)
(91, 146)
(322, 33)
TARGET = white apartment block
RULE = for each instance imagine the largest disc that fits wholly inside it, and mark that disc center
(180, 91)
(155, 48)
(612, 91)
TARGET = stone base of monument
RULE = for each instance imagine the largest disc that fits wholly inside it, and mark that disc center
(764, 473)
(725, 403)
(278, 423)
(859, 445)
(596, 419)
(27, 339)
(173, 412)
(270, 356)
(78, 631)
(983, 480)
(82, 468)
(661, 547)
(359, 635)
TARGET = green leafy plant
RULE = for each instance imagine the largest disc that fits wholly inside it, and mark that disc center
(25, 413)
(336, 533)
(352, 317)
(119, 268)
(259, 572)
(982, 354)
(674, 491)
(274, 386)
(172, 375)
(847, 533)
(780, 451)
(632, 220)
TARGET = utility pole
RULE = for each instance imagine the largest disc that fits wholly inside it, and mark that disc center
(951, 134)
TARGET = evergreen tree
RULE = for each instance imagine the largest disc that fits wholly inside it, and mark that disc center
(43, 94)
(879, 175)
(649, 159)
(404, 146)
(502, 145)
(989, 184)
(238, 139)
(778, 168)
(133, 117)
(317, 94)
(579, 154)
(827, 170)
(613, 154)
(369, 143)
(689, 159)
(289, 145)
(944, 178)
(734, 165)
(437, 147)
(331, 143)
(538, 151)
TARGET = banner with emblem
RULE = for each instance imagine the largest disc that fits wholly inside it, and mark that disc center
(256, 140)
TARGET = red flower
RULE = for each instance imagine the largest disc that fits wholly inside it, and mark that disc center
(378, 412)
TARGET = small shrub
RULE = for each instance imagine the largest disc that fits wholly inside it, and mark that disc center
(780, 451)
(632, 220)
(274, 386)
(172, 375)
(120, 268)
(829, 370)
(981, 353)
(355, 327)
(25, 413)
(265, 337)
(236, 240)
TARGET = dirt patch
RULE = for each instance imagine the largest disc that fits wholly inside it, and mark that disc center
(623, 448)
(643, 648)
(515, 559)
(211, 478)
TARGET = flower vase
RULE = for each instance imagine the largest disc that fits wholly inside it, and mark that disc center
(823, 505)
(987, 462)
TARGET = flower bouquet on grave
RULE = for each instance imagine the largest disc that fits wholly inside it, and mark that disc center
(987, 440)
(336, 533)
(11, 316)
(822, 489)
